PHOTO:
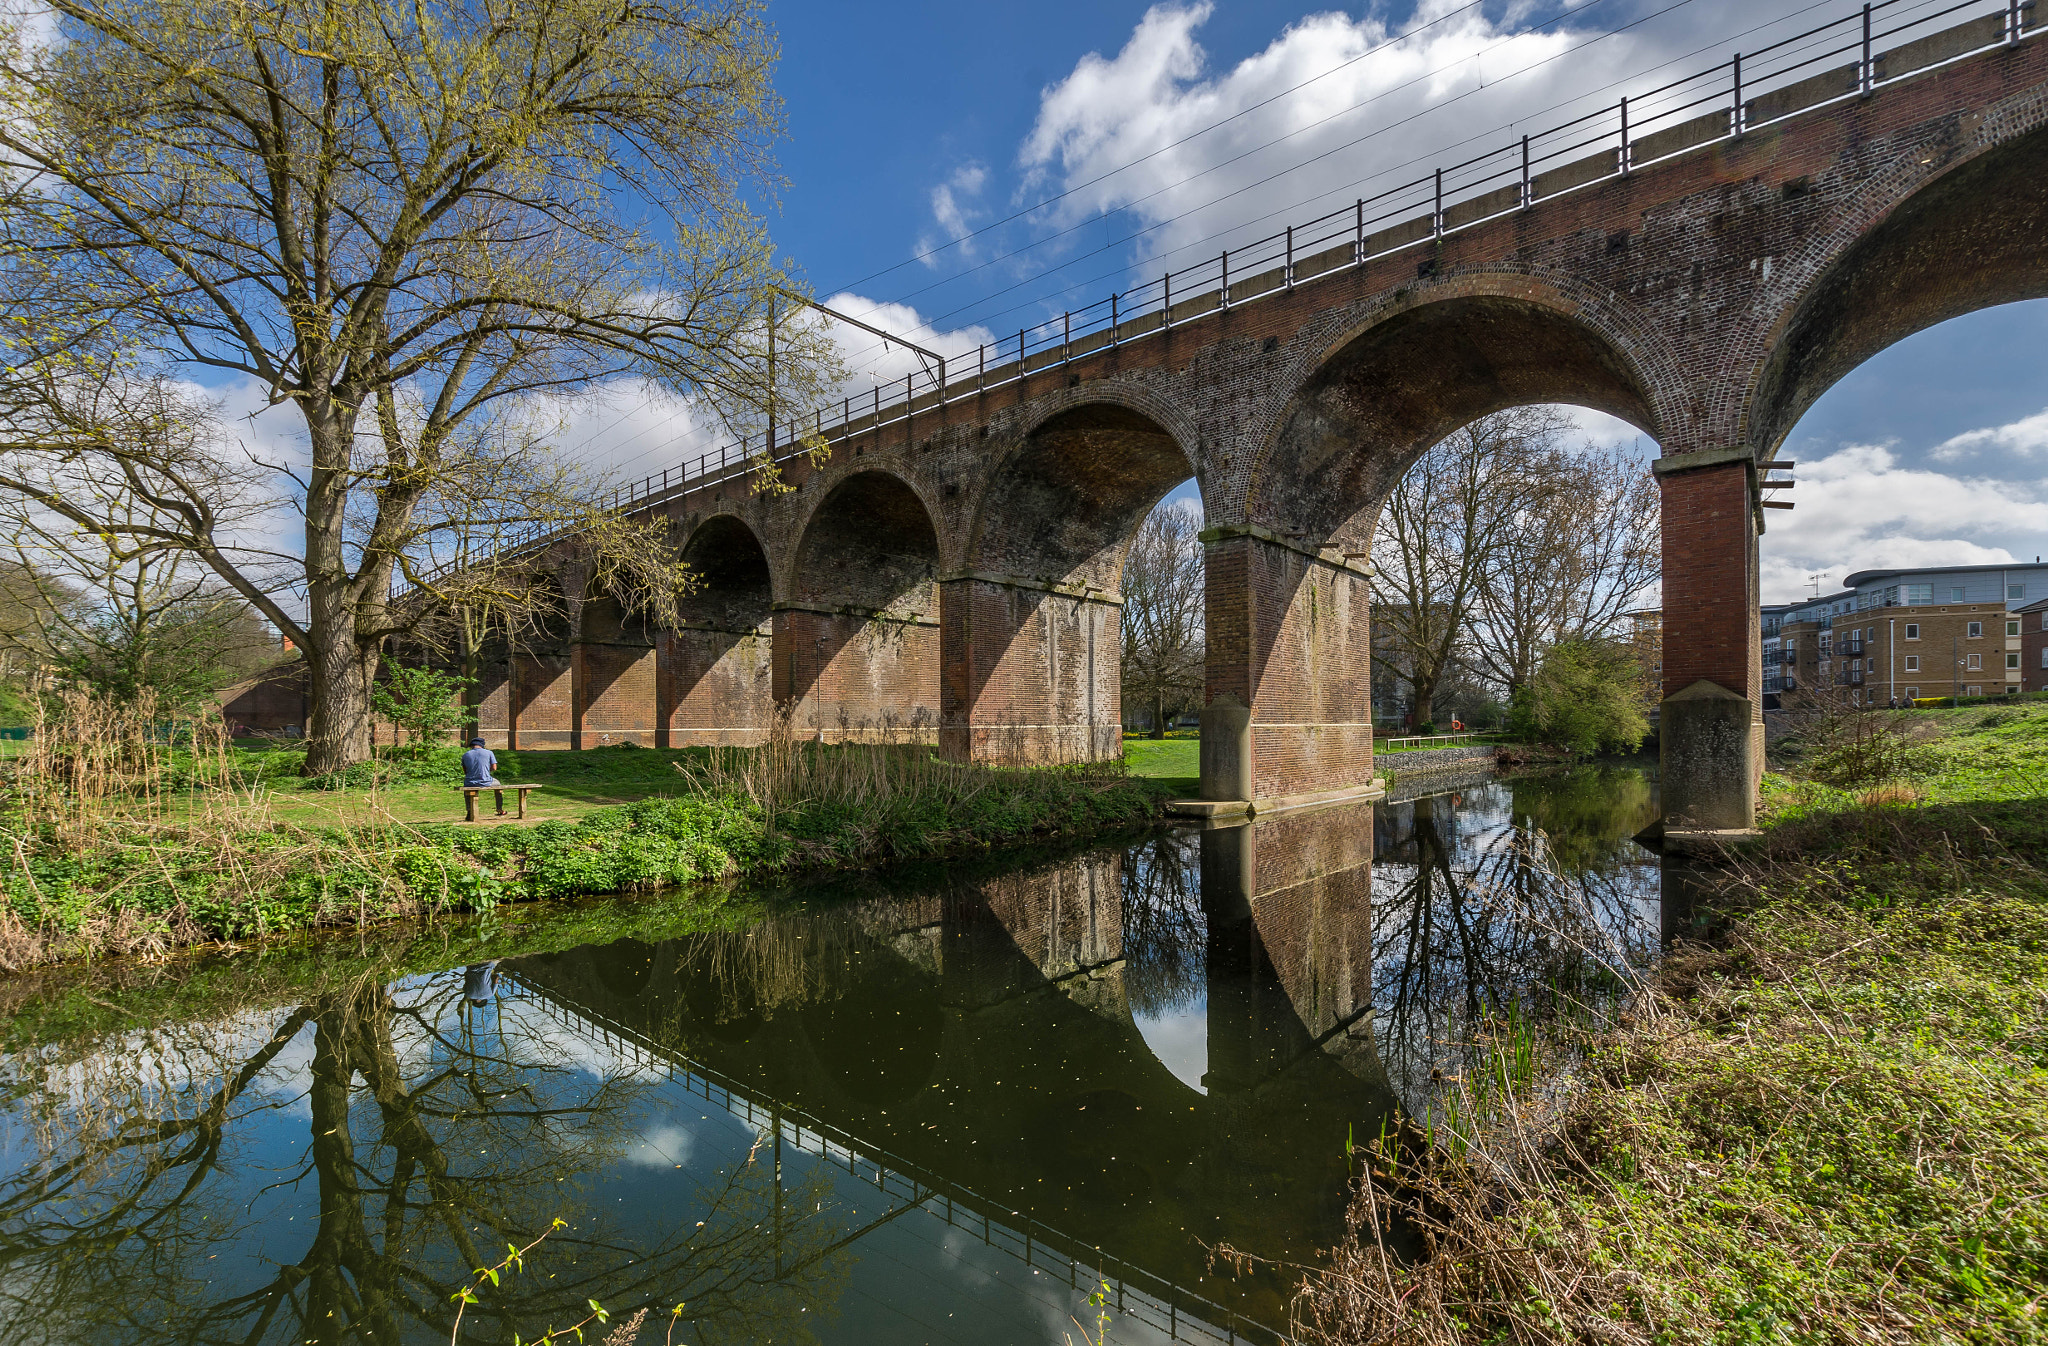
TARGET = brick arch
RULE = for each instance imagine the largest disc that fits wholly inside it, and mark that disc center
(1061, 504)
(856, 626)
(1384, 385)
(870, 541)
(730, 562)
(1952, 225)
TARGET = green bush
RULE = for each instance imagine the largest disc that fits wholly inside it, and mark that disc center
(1588, 697)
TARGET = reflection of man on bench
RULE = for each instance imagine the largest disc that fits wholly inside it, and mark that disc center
(479, 773)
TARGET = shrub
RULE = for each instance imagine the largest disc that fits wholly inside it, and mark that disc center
(425, 702)
(1588, 697)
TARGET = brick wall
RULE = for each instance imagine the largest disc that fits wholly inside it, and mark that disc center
(1028, 676)
(616, 695)
(851, 676)
(717, 686)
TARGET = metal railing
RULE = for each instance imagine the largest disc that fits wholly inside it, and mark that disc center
(1844, 59)
(1424, 740)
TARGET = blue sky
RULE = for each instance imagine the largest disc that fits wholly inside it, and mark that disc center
(915, 129)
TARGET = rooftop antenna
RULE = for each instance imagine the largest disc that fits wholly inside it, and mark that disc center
(1814, 579)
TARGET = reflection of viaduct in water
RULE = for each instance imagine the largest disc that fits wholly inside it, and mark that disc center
(974, 1045)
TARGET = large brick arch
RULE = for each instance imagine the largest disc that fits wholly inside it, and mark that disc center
(1950, 230)
(735, 584)
(856, 637)
(870, 542)
(1063, 503)
(1433, 359)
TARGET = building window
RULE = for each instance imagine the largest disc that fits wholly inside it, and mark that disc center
(1913, 662)
(2012, 628)
(1955, 593)
(2015, 592)
(1912, 630)
(1919, 593)
(2012, 659)
(1976, 661)
(2044, 656)
(1912, 692)
(1973, 691)
(1976, 631)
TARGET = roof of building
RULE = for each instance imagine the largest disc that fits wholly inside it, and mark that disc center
(1863, 577)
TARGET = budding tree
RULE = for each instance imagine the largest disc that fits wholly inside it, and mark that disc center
(413, 224)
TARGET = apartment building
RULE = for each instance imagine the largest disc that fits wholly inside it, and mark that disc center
(1898, 634)
(2033, 620)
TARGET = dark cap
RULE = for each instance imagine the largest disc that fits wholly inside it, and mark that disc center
(476, 743)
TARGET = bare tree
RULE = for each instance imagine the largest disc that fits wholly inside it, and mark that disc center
(1440, 533)
(1162, 615)
(415, 225)
(1576, 561)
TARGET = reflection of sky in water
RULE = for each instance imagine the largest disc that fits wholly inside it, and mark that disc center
(543, 1109)
(1180, 1039)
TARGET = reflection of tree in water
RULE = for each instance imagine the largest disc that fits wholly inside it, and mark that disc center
(1165, 933)
(430, 1141)
(1508, 899)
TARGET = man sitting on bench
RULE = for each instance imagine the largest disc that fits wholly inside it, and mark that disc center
(479, 769)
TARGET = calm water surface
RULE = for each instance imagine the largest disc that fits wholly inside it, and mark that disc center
(945, 1113)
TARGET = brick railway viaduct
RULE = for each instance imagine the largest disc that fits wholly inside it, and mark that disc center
(954, 565)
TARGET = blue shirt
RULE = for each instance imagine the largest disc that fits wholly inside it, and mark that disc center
(478, 764)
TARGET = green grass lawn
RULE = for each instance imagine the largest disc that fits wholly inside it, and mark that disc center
(1175, 759)
(1821, 1120)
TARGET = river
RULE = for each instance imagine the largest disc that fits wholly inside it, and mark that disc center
(945, 1105)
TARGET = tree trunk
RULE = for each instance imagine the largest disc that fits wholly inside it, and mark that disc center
(338, 680)
(1158, 711)
(1425, 699)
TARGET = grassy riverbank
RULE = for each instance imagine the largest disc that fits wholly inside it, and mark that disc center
(193, 850)
(1825, 1121)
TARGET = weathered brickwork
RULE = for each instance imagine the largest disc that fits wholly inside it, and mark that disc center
(615, 695)
(1289, 636)
(717, 686)
(1028, 675)
(543, 702)
(852, 676)
(1707, 299)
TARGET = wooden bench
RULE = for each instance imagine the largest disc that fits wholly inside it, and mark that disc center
(470, 792)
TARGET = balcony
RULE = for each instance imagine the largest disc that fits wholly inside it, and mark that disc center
(1851, 648)
(1849, 677)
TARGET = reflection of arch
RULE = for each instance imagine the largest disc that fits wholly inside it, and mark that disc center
(1939, 253)
(870, 543)
(1425, 366)
(882, 1045)
(856, 639)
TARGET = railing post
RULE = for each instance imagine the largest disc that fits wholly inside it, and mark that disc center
(2012, 23)
(1226, 278)
(909, 392)
(942, 380)
(1020, 352)
(1358, 239)
(1865, 70)
(1624, 137)
(1166, 299)
(1289, 269)
(1112, 317)
(1436, 217)
(1528, 193)
(981, 367)
(1066, 336)
(1736, 122)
